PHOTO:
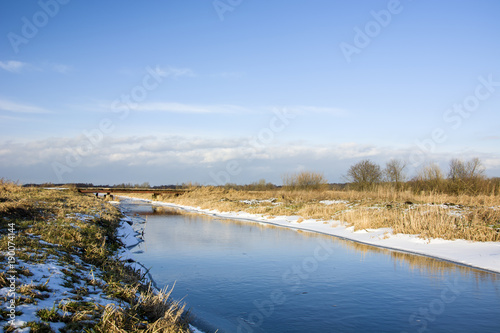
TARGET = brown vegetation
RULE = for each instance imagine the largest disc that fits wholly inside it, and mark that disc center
(304, 180)
(426, 213)
(47, 228)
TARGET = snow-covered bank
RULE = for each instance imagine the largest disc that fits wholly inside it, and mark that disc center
(50, 282)
(483, 255)
(56, 281)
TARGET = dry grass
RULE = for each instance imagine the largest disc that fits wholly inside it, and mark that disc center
(429, 221)
(428, 214)
(163, 315)
(75, 225)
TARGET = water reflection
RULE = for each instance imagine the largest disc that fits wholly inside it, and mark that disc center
(226, 269)
(424, 265)
(162, 211)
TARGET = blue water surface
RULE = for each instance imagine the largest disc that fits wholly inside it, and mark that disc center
(239, 276)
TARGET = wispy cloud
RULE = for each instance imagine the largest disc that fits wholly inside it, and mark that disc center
(59, 68)
(15, 66)
(229, 75)
(17, 119)
(6, 105)
(186, 108)
(174, 71)
(163, 71)
(12, 66)
(307, 109)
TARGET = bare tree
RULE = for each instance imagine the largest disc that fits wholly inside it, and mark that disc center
(466, 176)
(364, 174)
(460, 170)
(430, 172)
(431, 177)
(394, 172)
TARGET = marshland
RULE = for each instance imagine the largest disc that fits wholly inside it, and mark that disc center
(69, 263)
(259, 166)
(459, 204)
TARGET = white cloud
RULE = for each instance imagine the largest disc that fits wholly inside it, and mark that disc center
(196, 157)
(188, 108)
(12, 66)
(6, 105)
(18, 66)
(492, 163)
(194, 151)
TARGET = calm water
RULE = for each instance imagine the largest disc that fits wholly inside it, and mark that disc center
(250, 277)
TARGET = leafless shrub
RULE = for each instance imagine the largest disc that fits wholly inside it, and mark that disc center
(364, 175)
(304, 180)
(466, 177)
(394, 172)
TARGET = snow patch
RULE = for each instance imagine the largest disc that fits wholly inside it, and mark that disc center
(333, 202)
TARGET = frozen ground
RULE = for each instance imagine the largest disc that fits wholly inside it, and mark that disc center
(55, 282)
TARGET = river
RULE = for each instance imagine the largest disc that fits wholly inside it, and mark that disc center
(239, 276)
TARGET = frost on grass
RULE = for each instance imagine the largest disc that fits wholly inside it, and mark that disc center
(62, 268)
(61, 291)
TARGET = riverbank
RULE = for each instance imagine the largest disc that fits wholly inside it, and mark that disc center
(483, 255)
(64, 266)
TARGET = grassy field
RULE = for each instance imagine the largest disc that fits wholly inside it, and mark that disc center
(428, 214)
(66, 251)
(66, 273)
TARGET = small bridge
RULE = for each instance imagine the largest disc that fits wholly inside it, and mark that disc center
(109, 191)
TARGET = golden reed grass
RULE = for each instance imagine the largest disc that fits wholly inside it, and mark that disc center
(428, 214)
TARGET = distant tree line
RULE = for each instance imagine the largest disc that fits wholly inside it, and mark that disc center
(130, 185)
(260, 185)
(463, 177)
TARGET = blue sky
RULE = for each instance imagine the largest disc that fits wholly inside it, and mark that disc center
(237, 90)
